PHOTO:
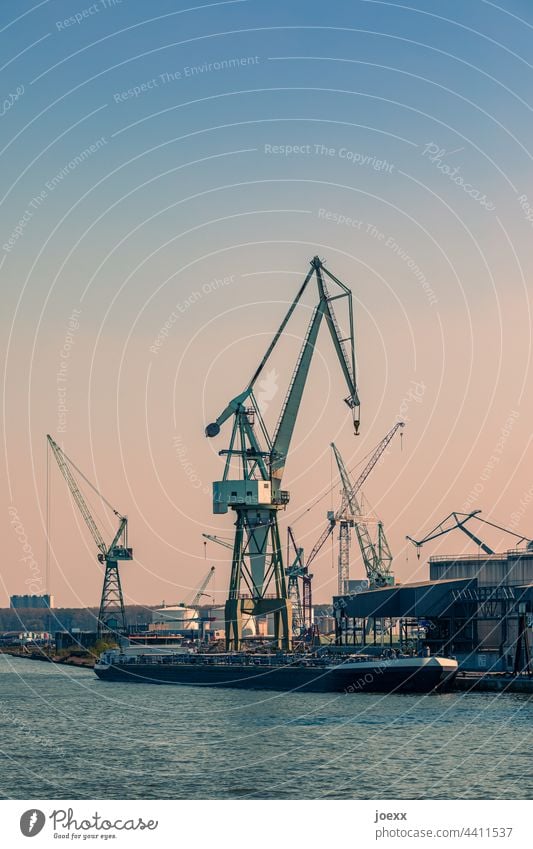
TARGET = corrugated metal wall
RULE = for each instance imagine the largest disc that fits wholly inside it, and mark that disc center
(512, 571)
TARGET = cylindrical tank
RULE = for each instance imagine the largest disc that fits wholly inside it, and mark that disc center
(175, 618)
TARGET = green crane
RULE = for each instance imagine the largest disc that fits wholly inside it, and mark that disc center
(301, 602)
(111, 616)
(255, 494)
(459, 520)
(376, 557)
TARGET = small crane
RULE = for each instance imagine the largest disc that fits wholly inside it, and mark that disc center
(377, 561)
(111, 616)
(201, 591)
(459, 520)
(302, 603)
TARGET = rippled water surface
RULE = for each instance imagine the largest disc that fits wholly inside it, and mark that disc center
(65, 734)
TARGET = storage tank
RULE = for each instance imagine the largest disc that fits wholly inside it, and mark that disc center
(218, 623)
(175, 618)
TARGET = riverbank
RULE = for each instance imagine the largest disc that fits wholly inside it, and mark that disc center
(84, 662)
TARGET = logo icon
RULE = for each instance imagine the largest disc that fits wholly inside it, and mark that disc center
(268, 388)
(32, 822)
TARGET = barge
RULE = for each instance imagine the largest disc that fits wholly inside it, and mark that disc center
(290, 672)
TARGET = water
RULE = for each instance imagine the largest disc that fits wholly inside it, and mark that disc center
(65, 734)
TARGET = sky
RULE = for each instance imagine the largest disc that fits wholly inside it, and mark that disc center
(168, 172)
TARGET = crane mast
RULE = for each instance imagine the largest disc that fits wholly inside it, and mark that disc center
(258, 581)
(349, 500)
(111, 614)
(301, 602)
(377, 559)
(203, 586)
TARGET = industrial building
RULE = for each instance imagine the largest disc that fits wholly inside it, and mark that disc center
(31, 602)
(470, 608)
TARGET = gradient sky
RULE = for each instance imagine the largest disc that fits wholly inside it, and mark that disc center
(182, 207)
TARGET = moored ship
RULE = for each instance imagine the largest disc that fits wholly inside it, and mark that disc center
(284, 672)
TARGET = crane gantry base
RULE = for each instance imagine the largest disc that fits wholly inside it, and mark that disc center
(112, 616)
(238, 608)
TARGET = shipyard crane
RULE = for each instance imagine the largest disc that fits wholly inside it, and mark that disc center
(255, 493)
(376, 559)
(111, 616)
(301, 602)
(458, 520)
(201, 591)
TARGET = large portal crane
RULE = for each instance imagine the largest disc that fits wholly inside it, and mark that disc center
(376, 558)
(111, 616)
(255, 494)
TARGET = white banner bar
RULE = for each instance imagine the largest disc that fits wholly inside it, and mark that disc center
(267, 824)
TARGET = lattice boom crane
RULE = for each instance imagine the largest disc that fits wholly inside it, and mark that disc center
(350, 490)
(111, 616)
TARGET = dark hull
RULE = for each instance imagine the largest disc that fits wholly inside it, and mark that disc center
(394, 677)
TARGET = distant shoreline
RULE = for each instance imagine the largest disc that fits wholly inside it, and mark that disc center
(70, 660)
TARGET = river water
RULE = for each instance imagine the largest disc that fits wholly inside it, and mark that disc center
(64, 734)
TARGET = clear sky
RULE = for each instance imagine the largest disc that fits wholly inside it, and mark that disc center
(168, 171)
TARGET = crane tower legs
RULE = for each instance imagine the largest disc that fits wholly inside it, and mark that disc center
(112, 616)
(257, 567)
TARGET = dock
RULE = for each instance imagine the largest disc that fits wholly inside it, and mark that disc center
(493, 682)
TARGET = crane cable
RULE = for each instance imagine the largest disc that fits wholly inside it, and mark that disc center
(88, 482)
(328, 491)
(47, 553)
